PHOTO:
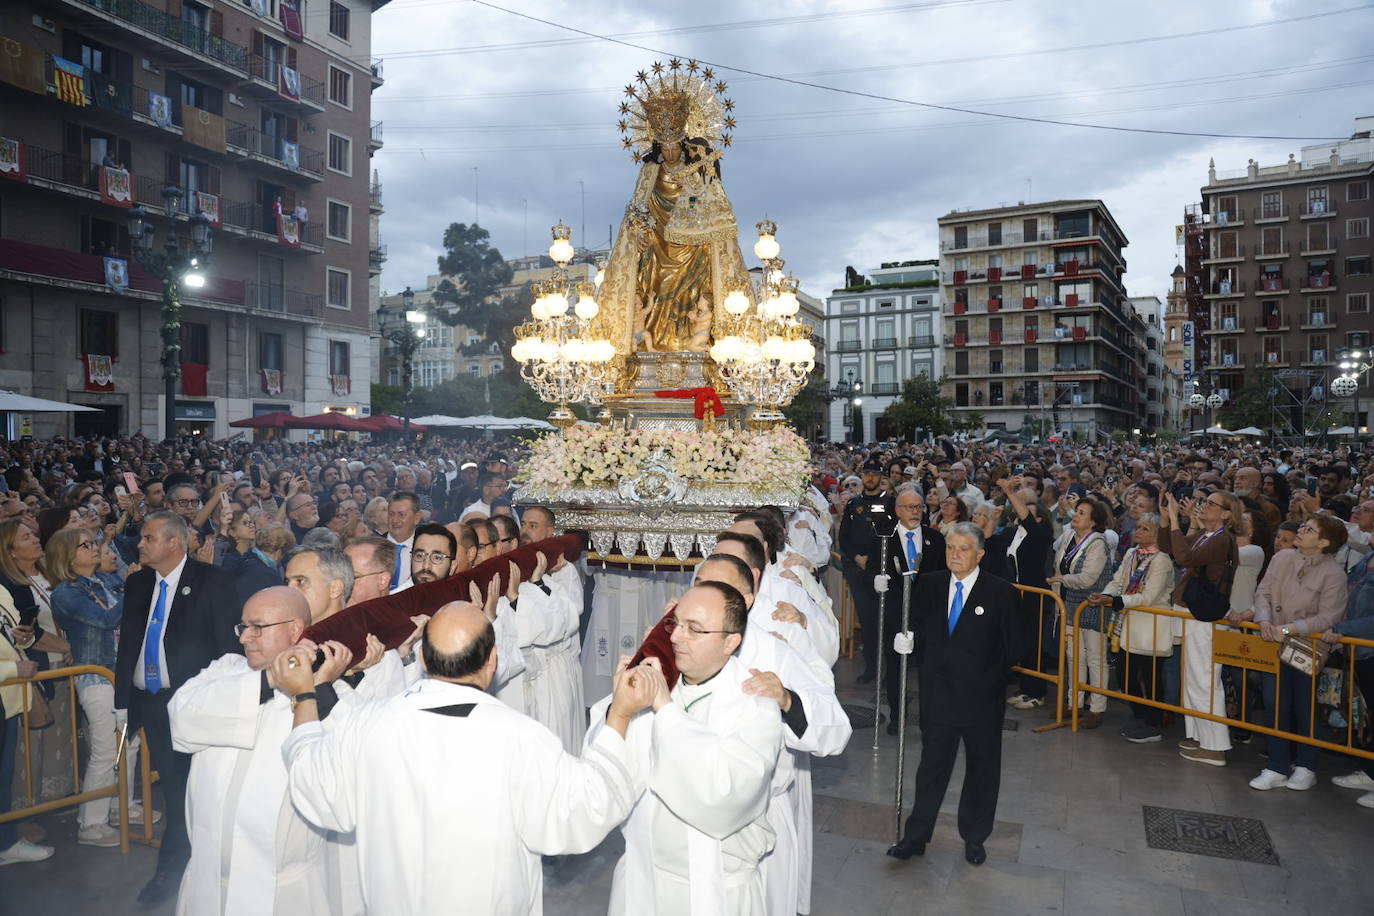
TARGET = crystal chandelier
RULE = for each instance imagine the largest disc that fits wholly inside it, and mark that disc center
(557, 357)
(765, 353)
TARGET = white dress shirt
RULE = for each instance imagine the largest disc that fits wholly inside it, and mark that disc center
(173, 579)
(968, 590)
(919, 540)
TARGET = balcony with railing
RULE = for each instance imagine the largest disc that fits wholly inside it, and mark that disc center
(1221, 254)
(884, 388)
(374, 197)
(848, 346)
(374, 136)
(1319, 281)
(266, 80)
(921, 340)
(1271, 250)
(884, 343)
(282, 299)
(1317, 356)
(1271, 213)
(1318, 209)
(1234, 216)
(1319, 246)
(1316, 321)
(376, 257)
(1227, 324)
(1271, 283)
(1275, 359)
(260, 223)
(1273, 321)
(375, 67)
(272, 151)
(167, 32)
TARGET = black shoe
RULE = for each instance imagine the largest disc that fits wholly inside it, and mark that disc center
(1241, 736)
(161, 888)
(906, 849)
(975, 854)
(867, 677)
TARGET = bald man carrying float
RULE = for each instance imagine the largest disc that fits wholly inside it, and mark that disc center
(453, 794)
(250, 851)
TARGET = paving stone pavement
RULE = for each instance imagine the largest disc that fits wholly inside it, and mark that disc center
(1069, 838)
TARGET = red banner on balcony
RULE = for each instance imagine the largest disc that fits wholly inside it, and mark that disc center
(11, 159)
(1071, 267)
(209, 206)
(960, 276)
(994, 274)
(960, 307)
(994, 305)
(288, 230)
(116, 186)
(1028, 302)
(340, 384)
(1027, 271)
(994, 337)
(1031, 335)
(960, 339)
(271, 381)
(1080, 333)
(291, 20)
(99, 373)
(194, 379)
(1071, 300)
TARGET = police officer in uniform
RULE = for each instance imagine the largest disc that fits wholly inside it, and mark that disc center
(859, 549)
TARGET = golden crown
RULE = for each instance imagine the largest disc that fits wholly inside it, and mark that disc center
(668, 105)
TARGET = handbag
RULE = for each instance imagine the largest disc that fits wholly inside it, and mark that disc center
(1304, 654)
(1207, 600)
(40, 714)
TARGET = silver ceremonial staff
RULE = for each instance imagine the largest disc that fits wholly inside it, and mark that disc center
(907, 579)
(890, 525)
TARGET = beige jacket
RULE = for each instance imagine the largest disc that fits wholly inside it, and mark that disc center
(11, 696)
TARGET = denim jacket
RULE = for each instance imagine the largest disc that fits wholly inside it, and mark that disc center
(89, 609)
(1359, 615)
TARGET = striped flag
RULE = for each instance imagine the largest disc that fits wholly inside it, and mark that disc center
(70, 80)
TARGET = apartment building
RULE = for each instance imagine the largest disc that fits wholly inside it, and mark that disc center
(256, 114)
(1038, 330)
(1163, 386)
(880, 329)
(1286, 273)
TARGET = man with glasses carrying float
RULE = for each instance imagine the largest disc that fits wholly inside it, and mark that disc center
(179, 615)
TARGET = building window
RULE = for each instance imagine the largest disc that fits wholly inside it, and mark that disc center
(961, 394)
(1316, 200)
(994, 233)
(1357, 267)
(195, 343)
(1357, 228)
(1173, 334)
(961, 362)
(1357, 302)
(270, 351)
(923, 367)
(1030, 231)
(1030, 359)
(393, 376)
(340, 87)
(848, 308)
(961, 236)
(340, 225)
(337, 283)
(474, 369)
(338, 20)
(340, 154)
(1357, 190)
(99, 333)
(340, 361)
(886, 304)
(1271, 205)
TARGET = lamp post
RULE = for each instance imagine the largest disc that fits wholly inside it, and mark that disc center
(851, 390)
(399, 327)
(1354, 364)
(173, 266)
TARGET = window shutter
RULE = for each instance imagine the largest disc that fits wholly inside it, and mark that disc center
(212, 179)
(217, 23)
(257, 43)
(291, 58)
(292, 129)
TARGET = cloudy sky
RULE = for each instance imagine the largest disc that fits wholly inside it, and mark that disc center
(492, 115)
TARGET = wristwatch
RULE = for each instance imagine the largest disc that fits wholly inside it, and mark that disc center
(1285, 631)
(300, 698)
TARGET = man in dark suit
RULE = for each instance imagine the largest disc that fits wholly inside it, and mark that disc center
(971, 637)
(179, 615)
(863, 517)
(911, 545)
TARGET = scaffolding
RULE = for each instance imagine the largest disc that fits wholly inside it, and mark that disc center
(1298, 403)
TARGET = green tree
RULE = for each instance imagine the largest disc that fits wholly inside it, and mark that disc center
(477, 296)
(806, 413)
(1251, 405)
(387, 399)
(923, 407)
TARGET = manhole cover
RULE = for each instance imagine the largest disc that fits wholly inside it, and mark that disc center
(859, 716)
(1204, 834)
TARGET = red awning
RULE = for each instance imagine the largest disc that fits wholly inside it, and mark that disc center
(340, 421)
(275, 420)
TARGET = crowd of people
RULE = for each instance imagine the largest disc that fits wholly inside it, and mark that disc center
(295, 775)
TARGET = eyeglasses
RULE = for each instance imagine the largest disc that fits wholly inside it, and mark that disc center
(691, 629)
(255, 628)
(481, 546)
(87, 545)
(185, 503)
(505, 540)
(1305, 527)
(1212, 502)
(426, 557)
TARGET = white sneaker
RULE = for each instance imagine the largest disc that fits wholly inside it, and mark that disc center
(1356, 780)
(24, 851)
(1302, 779)
(135, 816)
(98, 835)
(1025, 702)
(1268, 779)
(1016, 700)
(1366, 800)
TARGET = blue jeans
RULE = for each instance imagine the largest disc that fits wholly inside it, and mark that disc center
(1290, 712)
(9, 747)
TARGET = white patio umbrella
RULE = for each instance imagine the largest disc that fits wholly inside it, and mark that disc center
(22, 403)
(1250, 431)
(438, 419)
(1219, 431)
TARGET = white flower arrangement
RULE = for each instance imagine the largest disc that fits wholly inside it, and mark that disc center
(586, 456)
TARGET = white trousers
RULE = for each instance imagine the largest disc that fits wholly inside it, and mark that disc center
(1202, 688)
(102, 736)
(1092, 667)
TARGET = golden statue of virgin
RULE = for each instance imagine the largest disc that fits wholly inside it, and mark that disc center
(677, 254)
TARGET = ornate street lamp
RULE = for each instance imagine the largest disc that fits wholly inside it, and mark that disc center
(175, 265)
(400, 327)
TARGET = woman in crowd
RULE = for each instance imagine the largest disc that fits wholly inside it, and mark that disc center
(1302, 594)
(89, 604)
(1143, 580)
(252, 568)
(1082, 563)
(953, 510)
(1274, 486)
(51, 521)
(13, 664)
(1208, 549)
(1027, 558)
(23, 575)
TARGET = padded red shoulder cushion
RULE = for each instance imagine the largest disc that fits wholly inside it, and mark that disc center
(659, 645)
(388, 618)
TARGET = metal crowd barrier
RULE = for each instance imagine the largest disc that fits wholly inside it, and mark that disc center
(119, 788)
(1055, 677)
(1239, 646)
